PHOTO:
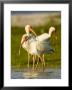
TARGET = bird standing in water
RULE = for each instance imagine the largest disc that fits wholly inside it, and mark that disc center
(36, 45)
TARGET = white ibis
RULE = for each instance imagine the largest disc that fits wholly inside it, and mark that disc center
(36, 45)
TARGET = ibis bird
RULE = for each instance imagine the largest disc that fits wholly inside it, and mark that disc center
(36, 46)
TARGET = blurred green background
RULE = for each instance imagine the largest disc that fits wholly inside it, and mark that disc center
(40, 21)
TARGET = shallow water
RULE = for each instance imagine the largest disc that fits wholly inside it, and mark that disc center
(47, 74)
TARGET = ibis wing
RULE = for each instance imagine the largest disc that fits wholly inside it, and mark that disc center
(44, 46)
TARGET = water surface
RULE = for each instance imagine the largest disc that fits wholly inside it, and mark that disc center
(47, 74)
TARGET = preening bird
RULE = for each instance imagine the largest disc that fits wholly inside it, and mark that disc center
(37, 46)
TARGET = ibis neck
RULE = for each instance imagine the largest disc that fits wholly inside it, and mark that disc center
(28, 33)
(50, 33)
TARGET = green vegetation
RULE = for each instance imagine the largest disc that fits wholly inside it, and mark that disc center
(52, 60)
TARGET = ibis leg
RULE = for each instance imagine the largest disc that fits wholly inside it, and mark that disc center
(43, 62)
(33, 62)
(28, 60)
(37, 63)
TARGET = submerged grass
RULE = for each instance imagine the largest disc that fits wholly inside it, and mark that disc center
(52, 60)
